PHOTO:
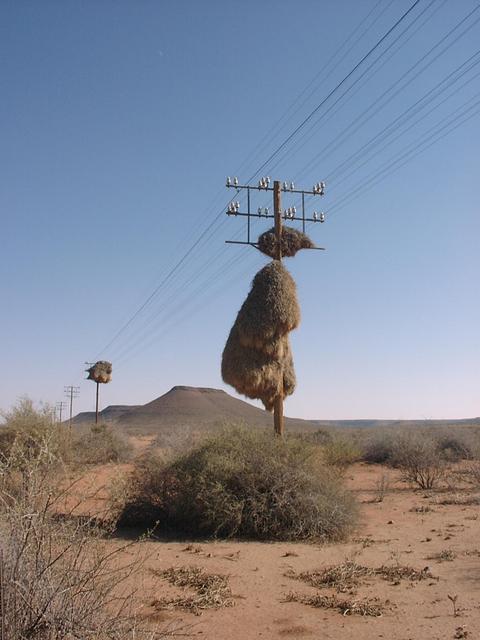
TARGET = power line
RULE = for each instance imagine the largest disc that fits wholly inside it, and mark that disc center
(173, 270)
(410, 151)
(377, 105)
(331, 93)
(300, 143)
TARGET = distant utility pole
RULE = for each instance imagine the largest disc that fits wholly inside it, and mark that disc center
(71, 392)
(60, 406)
(278, 216)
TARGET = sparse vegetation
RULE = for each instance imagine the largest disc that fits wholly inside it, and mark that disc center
(367, 607)
(378, 447)
(101, 443)
(211, 590)
(382, 486)
(61, 579)
(419, 459)
(340, 452)
(345, 577)
(242, 483)
(447, 555)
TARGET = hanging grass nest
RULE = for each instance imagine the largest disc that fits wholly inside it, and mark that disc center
(270, 310)
(101, 371)
(256, 374)
(257, 359)
(292, 241)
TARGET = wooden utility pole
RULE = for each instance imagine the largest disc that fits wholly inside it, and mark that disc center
(61, 406)
(96, 404)
(234, 209)
(71, 392)
(278, 421)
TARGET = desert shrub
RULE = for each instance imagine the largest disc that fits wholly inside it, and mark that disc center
(27, 430)
(242, 483)
(101, 443)
(378, 447)
(419, 459)
(340, 452)
(454, 447)
(61, 579)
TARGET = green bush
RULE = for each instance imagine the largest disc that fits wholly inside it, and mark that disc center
(242, 483)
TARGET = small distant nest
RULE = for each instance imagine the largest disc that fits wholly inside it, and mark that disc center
(292, 241)
(257, 359)
(101, 371)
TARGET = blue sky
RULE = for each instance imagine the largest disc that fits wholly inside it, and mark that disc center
(119, 122)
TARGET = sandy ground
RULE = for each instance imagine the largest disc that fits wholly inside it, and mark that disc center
(406, 528)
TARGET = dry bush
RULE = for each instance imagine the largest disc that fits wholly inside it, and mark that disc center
(340, 452)
(378, 447)
(455, 446)
(382, 487)
(242, 483)
(100, 444)
(472, 473)
(419, 459)
(27, 429)
(62, 577)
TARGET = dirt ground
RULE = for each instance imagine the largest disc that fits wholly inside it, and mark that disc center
(408, 528)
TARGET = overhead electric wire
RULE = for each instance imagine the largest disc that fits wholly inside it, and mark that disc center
(400, 121)
(179, 263)
(430, 137)
(175, 296)
(331, 93)
(348, 93)
(281, 123)
(377, 104)
(184, 311)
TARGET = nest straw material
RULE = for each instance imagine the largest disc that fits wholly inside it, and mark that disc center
(257, 374)
(292, 241)
(257, 359)
(270, 310)
(101, 371)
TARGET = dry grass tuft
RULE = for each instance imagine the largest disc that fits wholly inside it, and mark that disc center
(346, 577)
(424, 508)
(460, 500)
(367, 607)
(212, 590)
(342, 577)
(447, 555)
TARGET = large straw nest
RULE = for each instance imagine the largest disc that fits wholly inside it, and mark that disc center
(257, 374)
(291, 242)
(101, 371)
(270, 310)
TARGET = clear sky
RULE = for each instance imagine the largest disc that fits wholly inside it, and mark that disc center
(119, 122)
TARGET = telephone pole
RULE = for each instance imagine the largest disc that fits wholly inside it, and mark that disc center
(278, 215)
(71, 392)
(60, 406)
